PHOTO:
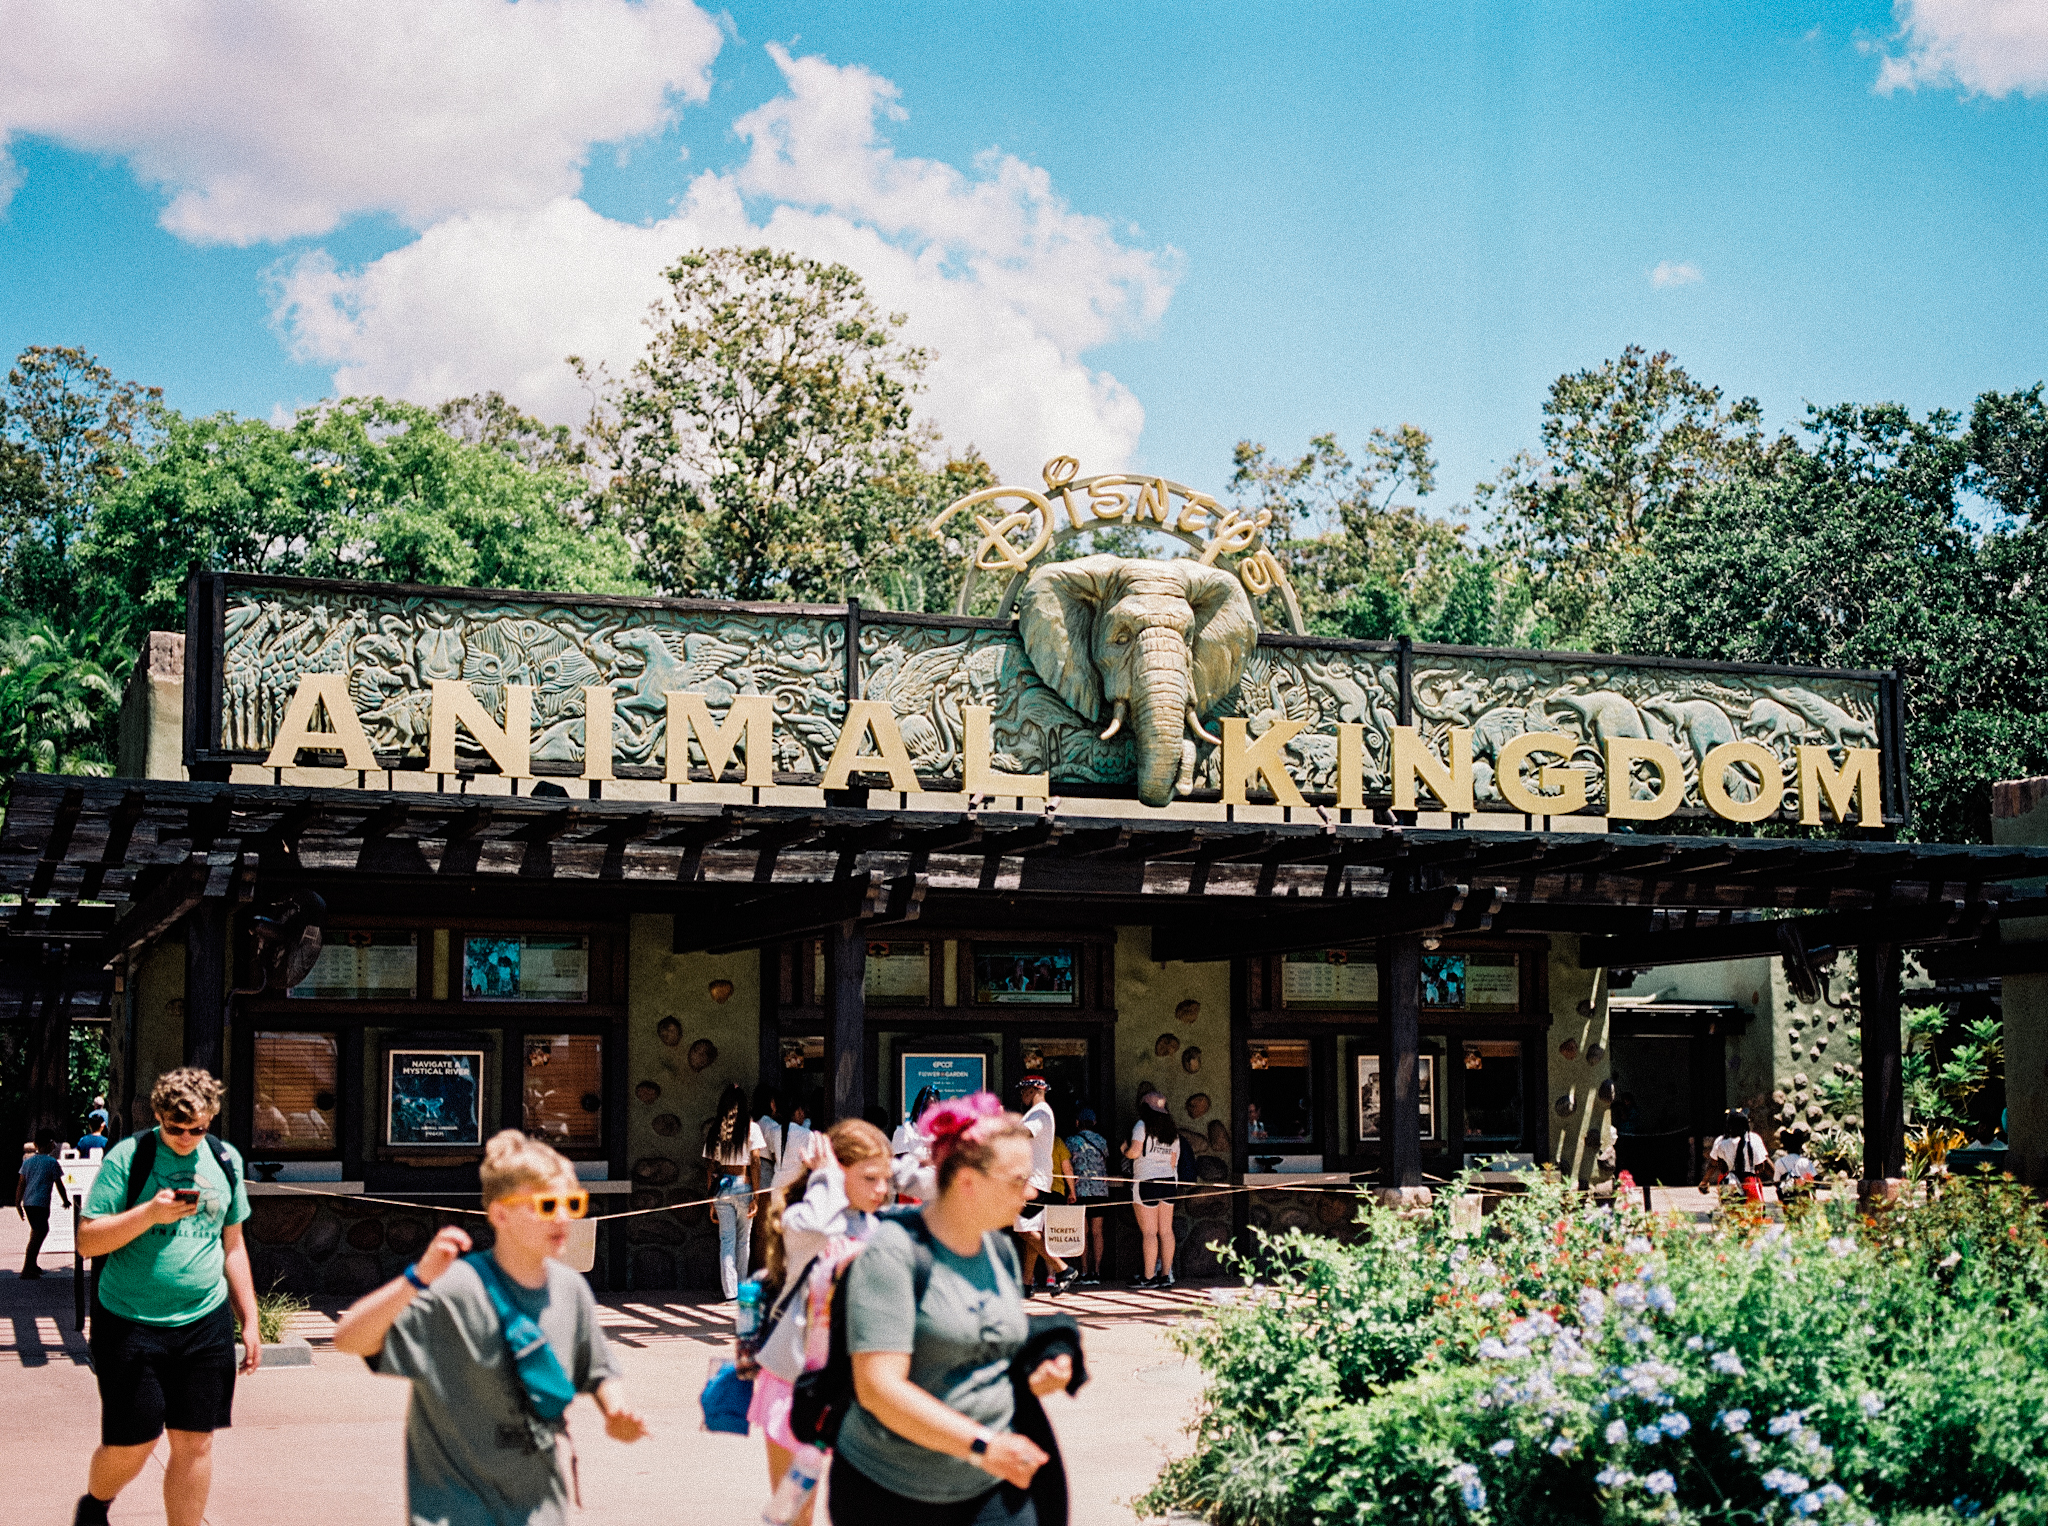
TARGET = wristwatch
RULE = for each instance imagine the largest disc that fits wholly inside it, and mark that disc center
(978, 1447)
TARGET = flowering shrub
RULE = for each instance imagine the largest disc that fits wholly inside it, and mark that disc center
(1580, 1363)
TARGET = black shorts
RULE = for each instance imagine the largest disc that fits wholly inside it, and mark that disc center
(857, 1500)
(156, 1376)
(1097, 1207)
(1162, 1189)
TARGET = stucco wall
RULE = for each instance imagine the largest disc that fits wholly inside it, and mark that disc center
(1147, 995)
(664, 1137)
(156, 994)
(1580, 1139)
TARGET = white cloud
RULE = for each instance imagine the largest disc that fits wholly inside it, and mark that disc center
(1675, 273)
(272, 121)
(1982, 47)
(1005, 283)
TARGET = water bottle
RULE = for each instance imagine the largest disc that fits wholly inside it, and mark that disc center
(746, 1320)
(797, 1486)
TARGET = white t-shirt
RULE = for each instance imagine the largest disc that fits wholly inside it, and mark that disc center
(1755, 1155)
(1792, 1166)
(906, 1141)
(771, 1133)
(1157, 1161)
(756, 1145)
(794, 1137)
(1040, 1121)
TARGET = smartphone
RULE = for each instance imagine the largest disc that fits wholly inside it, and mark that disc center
(186, 1194)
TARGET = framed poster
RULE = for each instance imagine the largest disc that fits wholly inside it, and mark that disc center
(363, 966)
(1443, 980)
(1493, 980)
(952, 1076)
(1012, 976)
(521, 968)
(434, 1097)
(1330, 977)
(1369, 1095)
(899, 972)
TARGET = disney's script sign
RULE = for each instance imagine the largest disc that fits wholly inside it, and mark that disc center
(1118, 678)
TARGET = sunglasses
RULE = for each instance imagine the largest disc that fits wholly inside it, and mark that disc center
(181, 1131)
(551, 1205)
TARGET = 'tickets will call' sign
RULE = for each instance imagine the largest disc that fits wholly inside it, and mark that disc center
(1118, 677)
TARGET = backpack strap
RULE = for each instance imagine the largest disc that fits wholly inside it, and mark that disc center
(140, 1164)
(225, 1161)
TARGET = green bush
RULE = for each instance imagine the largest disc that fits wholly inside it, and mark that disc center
(1571, 1362)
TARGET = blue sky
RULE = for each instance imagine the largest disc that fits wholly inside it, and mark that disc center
(1141, 232)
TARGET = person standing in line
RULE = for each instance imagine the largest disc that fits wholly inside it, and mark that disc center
(768, 1114)
(928, 1440)
(1739, 1155)
(733, 1147)
(1030, 1225)
(1154, 1154)
(478, 1452)
(40, 1173)
(800, 1107)
(1089, 1152)
(166, 1210)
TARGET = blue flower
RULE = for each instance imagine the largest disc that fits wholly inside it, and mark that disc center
(1781, 1424)
(1728, 1362)
(1732, 1420)
(1661, 1482)
(1873, 1405)
(1677, 1423)
(1562, 1445)
(1502, 1447)
(1649, 1435)
(1617, 1432)
(1637, 1245)
(1493, 1349)
(1779, 1481)
(1607, 1478)
(1661, 1299)
(1807, 1504)
(1470, 1489)
(1695, 1342)
(1592, 1307)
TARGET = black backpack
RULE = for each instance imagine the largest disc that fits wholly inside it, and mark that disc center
(145, 1162)
(822, 1398)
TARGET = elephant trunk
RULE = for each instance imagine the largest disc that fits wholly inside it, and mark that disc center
(1159, 709)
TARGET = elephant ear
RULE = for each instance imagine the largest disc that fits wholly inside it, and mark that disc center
(1056, 616)
(1223, 635)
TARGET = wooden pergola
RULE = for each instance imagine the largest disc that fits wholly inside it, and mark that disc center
(106, 867)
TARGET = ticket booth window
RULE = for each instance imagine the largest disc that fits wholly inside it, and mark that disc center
(1280, 1104)
(296, 1093)
(564, 1089)
(1493, 1094)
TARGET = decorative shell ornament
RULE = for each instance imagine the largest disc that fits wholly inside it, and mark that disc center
(1569, 1049)
(1188, 1011)
(1567, 1104)
(1198, 1105)
(667, 1125)
(721, 990)
(669, 1031)
(1166, 1044)
(1594, 1053)
(702, 1053)
(648, 1091)
(1191, 1059)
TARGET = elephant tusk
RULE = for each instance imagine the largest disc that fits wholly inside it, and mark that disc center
(1116, 721)
(1195, 725)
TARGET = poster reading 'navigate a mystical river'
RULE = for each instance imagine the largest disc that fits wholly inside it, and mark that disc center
(436, 1097)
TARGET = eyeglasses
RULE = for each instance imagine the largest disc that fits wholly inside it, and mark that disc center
(1020, 1183)
(179, 1131)
(550, 1205)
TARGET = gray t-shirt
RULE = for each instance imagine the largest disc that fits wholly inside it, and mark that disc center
(961, 1340)
(473, 1454)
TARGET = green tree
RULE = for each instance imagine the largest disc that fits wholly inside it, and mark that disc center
(60, 689)
(1624, 443)
(67, 430)
(744, 448)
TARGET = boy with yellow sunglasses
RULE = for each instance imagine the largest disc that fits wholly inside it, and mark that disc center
(487, 1397)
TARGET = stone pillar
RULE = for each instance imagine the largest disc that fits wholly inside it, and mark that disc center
(1400, 1100)
(1884, 1098)
(206, 985)
(846, 1004)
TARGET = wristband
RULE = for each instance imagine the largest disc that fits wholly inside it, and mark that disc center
(412, 1275)
(978, 1447)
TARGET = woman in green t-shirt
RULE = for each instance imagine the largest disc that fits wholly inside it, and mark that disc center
(929, 1440)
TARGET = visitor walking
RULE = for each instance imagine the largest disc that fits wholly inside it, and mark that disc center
(91, 1139)
(1739, 1155)
(40, 1174)
(496, 1346)
(166, 1211)
(1154, 1154)
(823, 1214)
(1089, 1152)
(733, 1147)
(1030, 1225)
(935, 1319)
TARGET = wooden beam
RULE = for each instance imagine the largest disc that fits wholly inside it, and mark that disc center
(120, 832)
(55, 846)
(1943, 921)
(156, 913)
(1316, 923)
(802, 912)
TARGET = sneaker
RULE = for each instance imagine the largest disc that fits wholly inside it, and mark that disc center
(90, 1511)
(1143, 1282)
(1069, 1278)
(1087, 1280)
(1030, 1290)
(1163, 1282)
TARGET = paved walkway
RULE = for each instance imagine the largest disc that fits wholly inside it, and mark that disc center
(324, 1444)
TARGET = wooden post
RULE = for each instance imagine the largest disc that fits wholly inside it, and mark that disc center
(846, 1011)
(1400, 1100)
(1884, 1097)
(206, 985)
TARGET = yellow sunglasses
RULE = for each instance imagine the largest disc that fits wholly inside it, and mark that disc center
(550, 1205)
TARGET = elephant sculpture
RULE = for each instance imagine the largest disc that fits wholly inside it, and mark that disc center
(1160, 644)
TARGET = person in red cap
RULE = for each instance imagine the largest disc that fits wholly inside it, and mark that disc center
(1030, 1225)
